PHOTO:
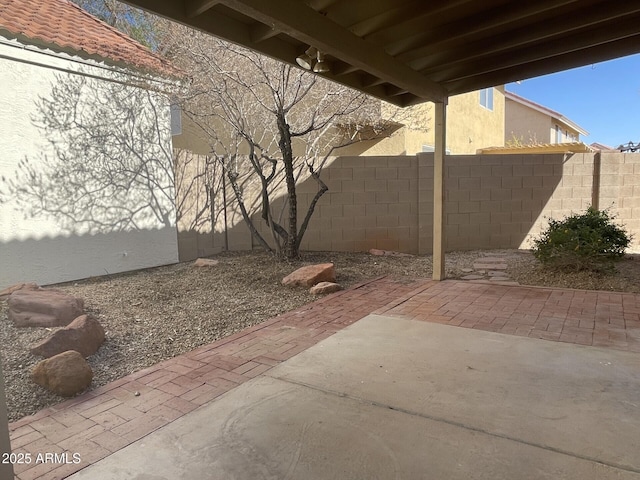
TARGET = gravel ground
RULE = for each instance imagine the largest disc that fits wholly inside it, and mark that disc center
(155, 314)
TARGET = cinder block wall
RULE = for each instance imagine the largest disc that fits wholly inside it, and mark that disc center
(620, 189)
(492, 201)
(372, 202)
(501, 201)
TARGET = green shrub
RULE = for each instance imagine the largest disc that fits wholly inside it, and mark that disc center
(587, 241)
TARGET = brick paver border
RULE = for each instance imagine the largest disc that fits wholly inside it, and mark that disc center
(596, 318)
(106, 419)
(110, 417)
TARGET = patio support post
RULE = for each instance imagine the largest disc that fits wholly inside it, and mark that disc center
(438, 189)
(6, 469)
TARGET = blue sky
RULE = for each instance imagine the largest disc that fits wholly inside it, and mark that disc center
(603, 98)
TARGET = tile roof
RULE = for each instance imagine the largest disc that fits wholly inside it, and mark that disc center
(603, 148)
(63, 26)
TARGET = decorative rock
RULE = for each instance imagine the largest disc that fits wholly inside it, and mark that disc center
(43, 308)
(388, 253)
(497, 273)
(472, 277)
(490, 266)
(205, 262)
(324, 288)
(84, 335)
(18, 286)
(311, 275)
(65, 374)
(466, 270)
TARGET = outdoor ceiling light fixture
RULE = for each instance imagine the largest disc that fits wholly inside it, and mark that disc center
(306, 59)
(313, 59)
(321, 65)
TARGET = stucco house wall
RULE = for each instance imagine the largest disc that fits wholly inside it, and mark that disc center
(529, 123)
(470, 126)
(525, 125)
(51, 247)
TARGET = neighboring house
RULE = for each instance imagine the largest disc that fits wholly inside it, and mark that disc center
(601, 147)
(474, 120)
(527, 123)
(86, 180)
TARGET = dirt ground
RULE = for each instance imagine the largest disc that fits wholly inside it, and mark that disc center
(155, 314)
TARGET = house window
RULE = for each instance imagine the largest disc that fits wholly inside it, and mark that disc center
(558, 134)
(431, 149)
(486, 98)
(176, 119)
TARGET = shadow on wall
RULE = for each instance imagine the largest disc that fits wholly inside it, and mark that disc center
(65, 258)
(95, 179)
(387, 202)
(107, 163)
(500, 201)
(492, 201)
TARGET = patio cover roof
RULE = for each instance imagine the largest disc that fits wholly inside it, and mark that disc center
(408, 51)
(543, 148)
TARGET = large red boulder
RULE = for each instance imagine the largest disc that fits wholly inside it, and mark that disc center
(65, 374)
(84, 335)
(311, 275)
(43, 308)
(4, 294)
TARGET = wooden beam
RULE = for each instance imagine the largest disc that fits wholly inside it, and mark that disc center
(600, 53)
(439, 223)
(372, 82)
(627, 27)
(341, 68)
(382, 19)
(297, 20)
(509, 40)
(394, 91)
(263, 32)
(193, 8)
(348, 13)
(408, 49)
(223, 26)
(407, 20)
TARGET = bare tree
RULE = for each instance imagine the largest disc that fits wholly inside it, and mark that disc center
(134, 22)
(271, 121)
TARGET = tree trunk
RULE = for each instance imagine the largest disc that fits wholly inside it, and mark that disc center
(245, 214)
(284, 142)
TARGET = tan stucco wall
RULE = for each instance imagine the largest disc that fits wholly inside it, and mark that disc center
(192, 138)
(524, 125)
(470, 126)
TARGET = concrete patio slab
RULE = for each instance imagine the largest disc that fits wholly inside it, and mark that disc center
(389, 397)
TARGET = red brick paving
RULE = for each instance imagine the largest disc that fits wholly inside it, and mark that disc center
(603, 319)
(115, 415)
